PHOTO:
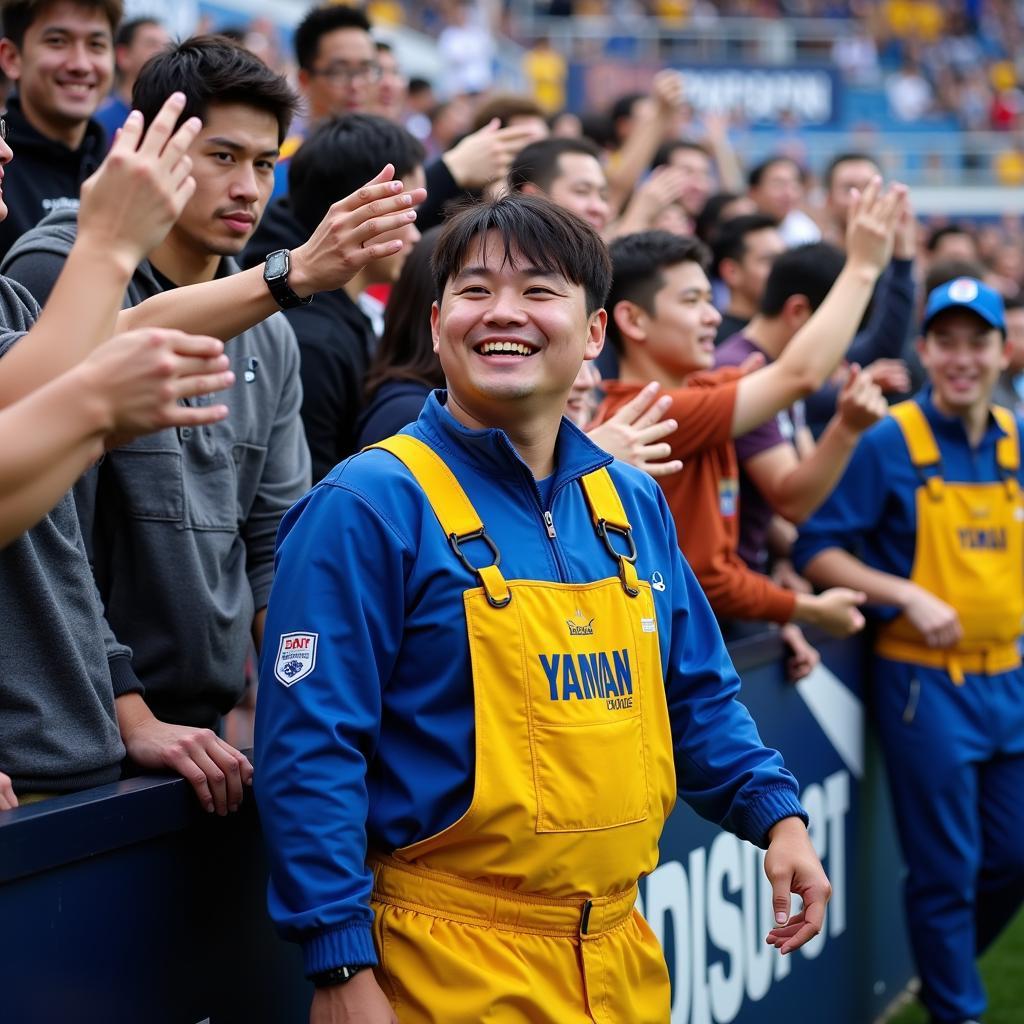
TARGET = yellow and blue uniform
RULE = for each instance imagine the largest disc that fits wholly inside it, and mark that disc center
(431, 781)
(918, 501)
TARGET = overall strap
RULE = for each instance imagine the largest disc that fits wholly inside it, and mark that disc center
(453, 509)
(1007, 447)
(924, 451)
(609, 515)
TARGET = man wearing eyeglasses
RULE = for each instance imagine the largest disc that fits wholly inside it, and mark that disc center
(338, 72)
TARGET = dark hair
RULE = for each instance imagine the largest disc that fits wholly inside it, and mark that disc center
(419, 85)
(709, 221)
(506, 106)
(340, 156)
(731, 238)
(623, 106)
(321, 21)
(949, 270)
(664, 153)
(843, 158)
(18, 15)
(637, 264)
(758, 171)
(537, 163)
(406, 349)
(808, 270)
(533, 230)
(128, 30)
(383, 47)
(211, 70)
(936, 235)
(1013, 302)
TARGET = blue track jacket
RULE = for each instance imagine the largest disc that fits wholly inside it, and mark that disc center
(373, 748)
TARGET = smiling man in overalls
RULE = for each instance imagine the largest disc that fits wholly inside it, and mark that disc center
(933, 496)
(475, 710)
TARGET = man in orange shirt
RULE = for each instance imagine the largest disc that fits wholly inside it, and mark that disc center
(663, 323)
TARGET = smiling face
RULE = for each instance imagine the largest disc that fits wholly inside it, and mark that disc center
(963, 356)
(512, 337)
(680, 335)
(63, 68)
(581, 188)
(233, 164)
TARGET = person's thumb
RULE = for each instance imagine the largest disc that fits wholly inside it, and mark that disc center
(780, 899)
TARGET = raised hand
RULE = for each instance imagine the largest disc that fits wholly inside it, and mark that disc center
(138, 192)
(351, 234)
(874, 215)
(140, 376)
(861, 403)
(634, 434)
(486, 155)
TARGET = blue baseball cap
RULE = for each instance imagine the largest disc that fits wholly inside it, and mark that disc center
(966, 293)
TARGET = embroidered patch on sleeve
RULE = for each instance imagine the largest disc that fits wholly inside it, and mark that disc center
(296, 657)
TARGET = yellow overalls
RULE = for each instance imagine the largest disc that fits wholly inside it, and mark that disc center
(523, 909)
(969, 552)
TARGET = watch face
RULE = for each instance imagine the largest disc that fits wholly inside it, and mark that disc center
(277, 265)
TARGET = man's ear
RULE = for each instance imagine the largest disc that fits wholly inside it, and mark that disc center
(10, 60)
(435, 325)
(596, 328)
(797, 310)
(728, 270)
(631, 321)
(529, 189)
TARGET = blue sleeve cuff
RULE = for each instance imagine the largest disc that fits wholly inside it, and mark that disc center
(901, 268)
(773, 805)
(351, 944)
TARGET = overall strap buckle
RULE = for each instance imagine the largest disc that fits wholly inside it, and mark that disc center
(495, 587)
(627, 562)
(610, 517)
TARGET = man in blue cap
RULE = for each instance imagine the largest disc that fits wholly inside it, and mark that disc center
(931, 505)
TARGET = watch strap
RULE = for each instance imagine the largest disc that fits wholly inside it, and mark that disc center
(282, 292)
(337, 975)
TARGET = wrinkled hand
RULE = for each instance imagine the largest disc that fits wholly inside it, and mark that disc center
(873, 217)
(352, 234)
(634, 433)
(891, 375)
(792, 866)
(486, 155)
(803, 657)
(8, 799)
(937, 622)
(141, 375)
(138, 192)
(861, 403)
(359, 1001)
(214, 769)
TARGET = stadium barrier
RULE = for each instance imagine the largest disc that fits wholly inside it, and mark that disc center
(126, 903)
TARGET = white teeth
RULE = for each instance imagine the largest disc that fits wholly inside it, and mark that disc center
(504, 348)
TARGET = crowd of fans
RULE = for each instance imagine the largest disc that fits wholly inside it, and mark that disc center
(150, 581)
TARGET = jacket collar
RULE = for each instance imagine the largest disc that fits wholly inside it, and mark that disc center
(952, 427)
(490, 452)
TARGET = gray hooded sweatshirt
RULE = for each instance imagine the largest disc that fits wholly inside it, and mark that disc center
(180, 525)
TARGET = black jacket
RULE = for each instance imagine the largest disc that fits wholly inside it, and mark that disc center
(44, 175)
(278, 229)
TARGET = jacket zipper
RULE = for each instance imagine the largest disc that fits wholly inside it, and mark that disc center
(549, 522)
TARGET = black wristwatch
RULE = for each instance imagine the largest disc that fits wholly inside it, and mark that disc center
(337, 975)
(275, 273)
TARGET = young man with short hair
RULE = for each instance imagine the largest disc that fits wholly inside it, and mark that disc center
(569, 173)
(928, 521)
(777, 186)
(663, 323)
(336, 338)
(60, 55)
(782, 471)
(435, 799)
(744, 250)
(134, 43)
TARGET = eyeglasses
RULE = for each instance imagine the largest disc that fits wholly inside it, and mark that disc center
(3, 129)
(338, 73)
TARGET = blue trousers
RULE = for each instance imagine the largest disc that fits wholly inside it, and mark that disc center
(955, 759)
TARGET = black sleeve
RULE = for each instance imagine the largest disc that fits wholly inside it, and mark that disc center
(441, 190)
(390, 416)
(38, 272)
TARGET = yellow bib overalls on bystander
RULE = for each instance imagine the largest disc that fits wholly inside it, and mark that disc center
(969, 552)
(523, 909)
